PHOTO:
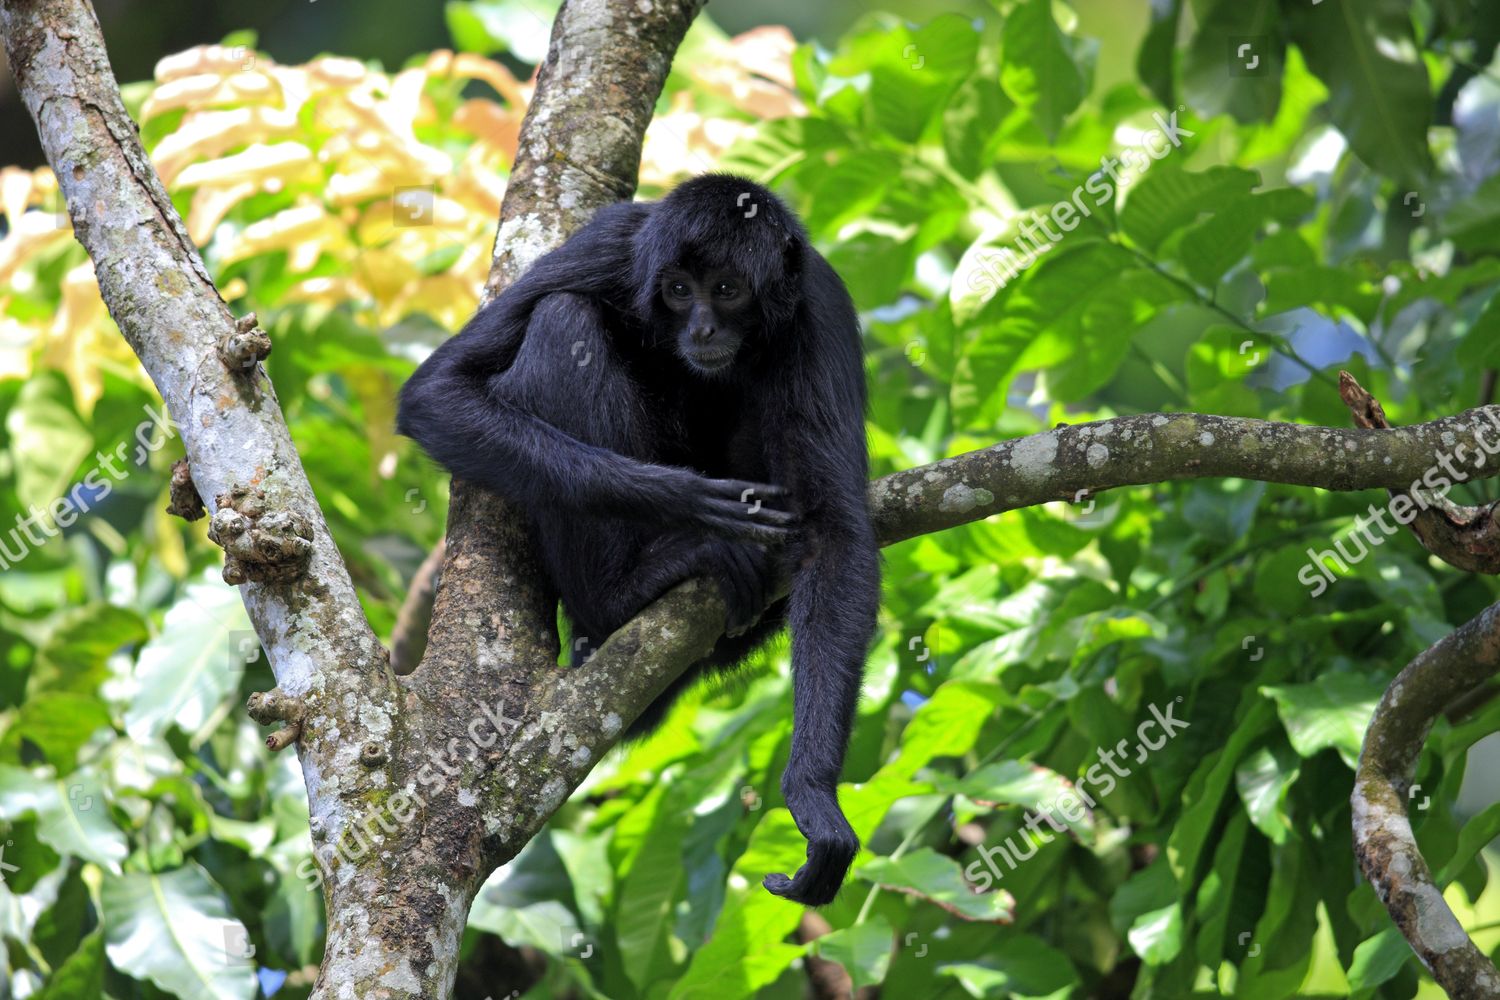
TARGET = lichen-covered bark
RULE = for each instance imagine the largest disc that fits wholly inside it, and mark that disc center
(579, 149)
(158, 292)
(1073, 462)
(1383, 839)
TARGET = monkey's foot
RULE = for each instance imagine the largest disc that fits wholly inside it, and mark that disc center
(260, 544)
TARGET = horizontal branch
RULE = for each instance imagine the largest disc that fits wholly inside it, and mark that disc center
(1075, 461)
(1066, 463)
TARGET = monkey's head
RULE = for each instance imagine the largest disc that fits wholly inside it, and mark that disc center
(718, 265)
(712, 315)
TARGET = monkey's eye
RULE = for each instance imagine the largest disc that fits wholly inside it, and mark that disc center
(678, 290)
(725, 290)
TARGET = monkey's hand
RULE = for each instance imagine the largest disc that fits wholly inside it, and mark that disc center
(741, 511)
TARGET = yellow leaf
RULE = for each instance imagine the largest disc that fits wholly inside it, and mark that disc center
(281, 162)
(204, 135)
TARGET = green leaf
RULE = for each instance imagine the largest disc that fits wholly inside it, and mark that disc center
(1474, 222)
(1480, 347)
(60, 723)
(1204, 794)
(1157, 936)
(81, 976)
(1030, 786)
(1208, 249)
(864, 949)
(850, 188)
(1037, 70)
(972, 121)
(747, 950)
(656, 880)
(1377, 959)
(1153, 63)
(47, 444)
(1476, 834)
(1264, 779)
(188, 673)
(1331, 288)
(909, 85)
(174, 930)
(71, 815)
(1023, 967)
(1378, 91)
(1230, 896)
(521, 902)
(1286, 929)
(935, 877)
(1097, 330)
(948, 723)
(1168, 198)
(1332, 711)
(1234, 63)
(520, 27)
(77, 652)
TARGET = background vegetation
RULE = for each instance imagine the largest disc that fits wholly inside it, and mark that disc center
(1334, 203)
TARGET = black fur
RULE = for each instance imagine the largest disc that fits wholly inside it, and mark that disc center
(595, 392)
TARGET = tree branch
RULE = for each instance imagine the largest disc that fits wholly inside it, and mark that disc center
(1383, 841)
(165, 304)
(409, 635)
(159, 293)
(1467, 538)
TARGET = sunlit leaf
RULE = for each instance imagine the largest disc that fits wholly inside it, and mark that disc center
(174, 929)
(938, 879)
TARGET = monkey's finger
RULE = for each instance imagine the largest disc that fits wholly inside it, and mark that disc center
(746, 492)
(740, 528)
(765, 515)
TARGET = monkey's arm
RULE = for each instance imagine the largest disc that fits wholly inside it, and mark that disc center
(836, 583)
(474, 404)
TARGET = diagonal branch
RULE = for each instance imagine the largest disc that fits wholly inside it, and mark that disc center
(1383, 840)
(166, 306)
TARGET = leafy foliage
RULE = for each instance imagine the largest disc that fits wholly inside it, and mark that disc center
(1044, 216)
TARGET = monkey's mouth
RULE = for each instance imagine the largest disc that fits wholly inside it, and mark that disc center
(710, 362)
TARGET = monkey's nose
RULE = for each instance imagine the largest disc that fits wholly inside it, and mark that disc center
(703, 334)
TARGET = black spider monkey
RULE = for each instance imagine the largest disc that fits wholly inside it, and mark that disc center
(678, 392)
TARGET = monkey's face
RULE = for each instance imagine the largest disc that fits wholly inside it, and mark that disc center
(711, 313)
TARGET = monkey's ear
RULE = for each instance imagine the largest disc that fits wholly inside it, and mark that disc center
(791, 255)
